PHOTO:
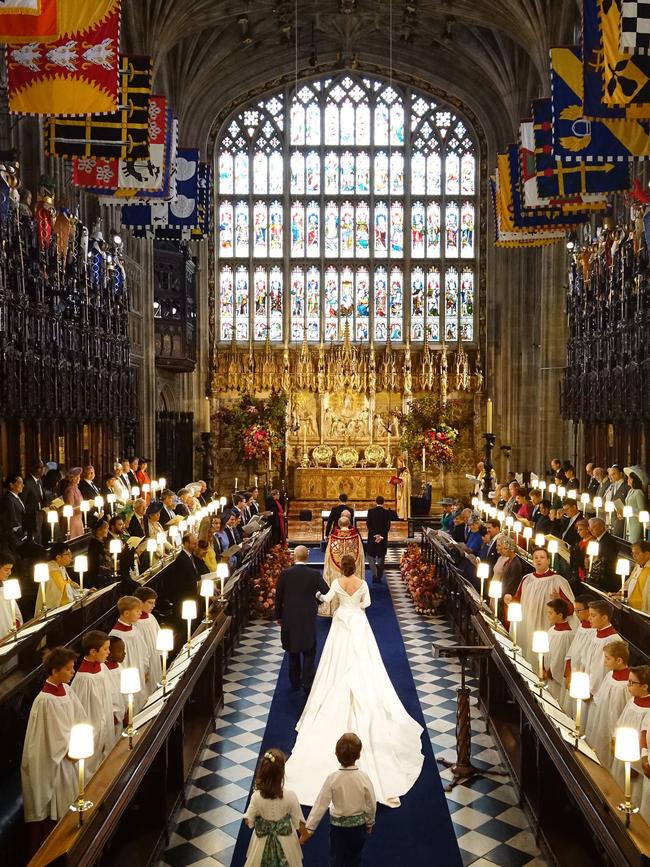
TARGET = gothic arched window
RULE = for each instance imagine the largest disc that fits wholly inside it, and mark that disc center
(349, 203)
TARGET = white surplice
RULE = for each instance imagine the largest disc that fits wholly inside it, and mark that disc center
(92, 686)
(635, 715)
(533, 593)
(149, 627)
(352, 692)
(137, 656)
(48, 779)
(577, 657)
(560, 637)
(606, 707)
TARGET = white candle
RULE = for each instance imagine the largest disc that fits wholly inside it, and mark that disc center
(269, 462)
(489, 416)
(424, 459)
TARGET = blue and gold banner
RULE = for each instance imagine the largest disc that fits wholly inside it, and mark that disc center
(559, 177)
(576, 137)
(506, 234)
(626, 77)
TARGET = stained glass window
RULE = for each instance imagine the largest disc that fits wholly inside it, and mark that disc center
(375, 187)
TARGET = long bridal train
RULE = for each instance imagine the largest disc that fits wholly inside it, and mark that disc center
(353, 693)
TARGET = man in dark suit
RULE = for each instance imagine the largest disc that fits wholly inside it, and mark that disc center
(12, 513)
(254, 506)
(100, 568)
(139, 523)
(185, 573)
(33, 497)
(544, 521)
(489, 551)
(603, 573)
(378, 523)
(567, 524)
(89, 490)
(337, 511)
(295, 612)
(167, 511)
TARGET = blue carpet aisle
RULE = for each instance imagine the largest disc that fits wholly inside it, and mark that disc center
(489, 827)
(420, 827)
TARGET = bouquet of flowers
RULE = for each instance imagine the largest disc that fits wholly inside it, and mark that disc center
(432, 426)
(421, 581)
(257, 440)
(263, 590)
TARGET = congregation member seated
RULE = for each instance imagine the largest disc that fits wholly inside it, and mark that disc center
(138, 525)
(60, 589)
(545, 518)
(603, 573)
(100, 567)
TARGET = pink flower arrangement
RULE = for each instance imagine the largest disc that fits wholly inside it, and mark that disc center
(421, 581)
(438, 445)
(262, 602)
(257, 440)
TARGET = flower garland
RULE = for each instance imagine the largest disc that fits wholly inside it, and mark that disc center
(421, 581)
(263, 591)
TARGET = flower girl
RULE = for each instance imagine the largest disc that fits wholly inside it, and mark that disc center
(275, 816)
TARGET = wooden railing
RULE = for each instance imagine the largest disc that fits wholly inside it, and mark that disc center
(571, 801)
(134, 792)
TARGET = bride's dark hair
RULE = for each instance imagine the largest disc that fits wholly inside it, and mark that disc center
(348, 565)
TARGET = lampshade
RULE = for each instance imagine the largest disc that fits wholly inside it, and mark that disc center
(627, 747)
(165, 640)
(593, 548)
(154, 486)
(188, 610)
(517, 526)
(475, 501)
(510, 521)
(41, 573)
(191, 521)
(115, 546)
(173, 532)
(207, 587)
(528, 532)
(82, 741)
(110, 498)
(609, 507)
(495, 589)
(182, 526)
(542, 485)
(223, 501)
(584, 498)
(552, 487)
(573, 494)
(67, 511)
(515, 612)
(622, 566)
(540, 641)
(598, 502)
(80, 563)
(501, 516)
(135, 491)
(222, 570)
(11, 589)
(98, 502)
(483, 570)
(628, 511)
(146, 488)
(644, 517)
(162, 483)
(161, 538)
(553, 546)
(540, 540)
(129, 681)
(579, 686)
(152, 545)
(84, 506)
(52, 517)
(561, 492)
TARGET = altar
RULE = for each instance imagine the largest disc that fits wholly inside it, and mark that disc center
(361, 484)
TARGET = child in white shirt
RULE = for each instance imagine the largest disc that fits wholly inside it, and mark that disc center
(351, 799)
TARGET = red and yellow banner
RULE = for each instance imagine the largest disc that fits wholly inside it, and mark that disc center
(75, 75)
(23, 21)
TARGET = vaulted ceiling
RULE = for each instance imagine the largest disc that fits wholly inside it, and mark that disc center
(491, 55)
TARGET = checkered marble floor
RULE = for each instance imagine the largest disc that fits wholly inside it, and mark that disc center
(490, 828)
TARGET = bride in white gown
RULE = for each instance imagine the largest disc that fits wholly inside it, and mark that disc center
(353, 693)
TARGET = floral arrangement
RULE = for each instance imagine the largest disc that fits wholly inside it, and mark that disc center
(254, 424)
(263, 591)
(433, 426)
(421, 581)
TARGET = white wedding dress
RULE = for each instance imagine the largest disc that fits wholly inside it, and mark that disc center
(353, 693)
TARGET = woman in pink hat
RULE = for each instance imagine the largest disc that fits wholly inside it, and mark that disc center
(72, 496)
